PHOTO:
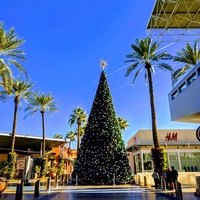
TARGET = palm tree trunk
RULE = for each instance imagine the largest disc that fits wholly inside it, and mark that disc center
(43, 136)
(69, 149)
(153, 111)
(61, 150)
(78, 142)
(14, 124)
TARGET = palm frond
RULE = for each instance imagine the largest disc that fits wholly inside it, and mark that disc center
(165, 67)
(153, 49)
(136, 75)
(180, 72)
(188, 55)
(137, 49)
(131, 68)
(16, 55)
(123, 124)
(19, 66)
(10, 51)
(162, 56)
(4, 96)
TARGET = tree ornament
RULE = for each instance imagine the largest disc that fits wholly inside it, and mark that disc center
(103, 64)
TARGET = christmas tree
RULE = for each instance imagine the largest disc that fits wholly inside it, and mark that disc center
(102, 157)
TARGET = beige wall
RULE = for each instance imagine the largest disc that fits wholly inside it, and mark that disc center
(166, 137)
(185, 178)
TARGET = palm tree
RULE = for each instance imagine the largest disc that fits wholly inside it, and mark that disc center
(56, 135)
(19, 90)
(42, 103)
(82, 131)
(70, 135)
(59, 136)
(10, 51)
(189, 56)
(79, 116)
(144, 57)
(123, 124)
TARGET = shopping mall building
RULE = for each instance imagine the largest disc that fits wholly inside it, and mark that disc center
(182, 148)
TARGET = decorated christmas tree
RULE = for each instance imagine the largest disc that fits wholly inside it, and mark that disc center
(102, 157)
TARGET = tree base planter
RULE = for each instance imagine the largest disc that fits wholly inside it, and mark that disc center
(3, 185)
(52, 174)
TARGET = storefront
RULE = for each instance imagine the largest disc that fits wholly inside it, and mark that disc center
(181, 145)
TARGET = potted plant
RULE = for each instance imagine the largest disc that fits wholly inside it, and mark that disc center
(3, 185)
(4, 168)
(40, 167)
(60, 167)
(52, 172)
(37, 170)
(53, 169)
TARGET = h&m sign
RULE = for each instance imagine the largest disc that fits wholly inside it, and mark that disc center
(171, 137)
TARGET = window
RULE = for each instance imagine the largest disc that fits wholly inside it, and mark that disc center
(191, 78)
(198, 71)
(182, 87)
(147, 162)
(173, 160)
(174, 95)
(190, 162)
(137, 162)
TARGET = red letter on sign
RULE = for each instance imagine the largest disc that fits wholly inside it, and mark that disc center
(174, 136)
(168, 137)
(171, 137)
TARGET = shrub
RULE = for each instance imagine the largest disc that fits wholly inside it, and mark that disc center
(4, 168)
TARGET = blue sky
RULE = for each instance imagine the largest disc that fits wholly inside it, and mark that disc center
(65, 41)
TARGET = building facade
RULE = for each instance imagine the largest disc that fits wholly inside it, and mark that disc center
(184, 98)
(182, 147)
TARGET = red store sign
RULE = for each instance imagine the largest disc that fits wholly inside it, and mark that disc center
(171, 137)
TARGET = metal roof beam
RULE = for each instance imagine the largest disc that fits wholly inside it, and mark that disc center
(179, 16)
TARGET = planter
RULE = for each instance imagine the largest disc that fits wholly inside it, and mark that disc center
(3, 185)
(52, 174)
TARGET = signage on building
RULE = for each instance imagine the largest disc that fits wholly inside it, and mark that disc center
(171, 137)
(198, 133)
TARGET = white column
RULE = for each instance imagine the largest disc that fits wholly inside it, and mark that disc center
(142, 162)
(179, 162)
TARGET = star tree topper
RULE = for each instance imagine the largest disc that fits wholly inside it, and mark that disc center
(103, 64)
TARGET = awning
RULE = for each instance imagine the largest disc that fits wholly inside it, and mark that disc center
(24, 143)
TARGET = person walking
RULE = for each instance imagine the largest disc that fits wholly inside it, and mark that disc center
(169, 182)
(156, 178)
(174, 176)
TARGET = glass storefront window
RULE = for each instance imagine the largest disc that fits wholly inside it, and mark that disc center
(147, 161)
(137, 163)
(190, 162)
(173, 160)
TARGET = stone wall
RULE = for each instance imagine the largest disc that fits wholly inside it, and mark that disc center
(185, 178)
